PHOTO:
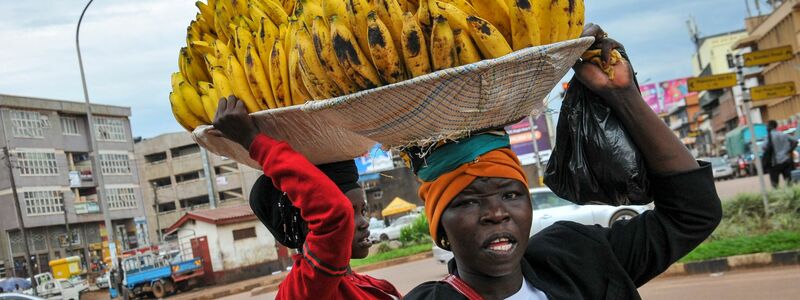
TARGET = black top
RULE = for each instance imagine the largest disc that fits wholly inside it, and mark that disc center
(572, 261)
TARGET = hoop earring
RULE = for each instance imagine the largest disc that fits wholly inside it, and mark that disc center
(445, 243)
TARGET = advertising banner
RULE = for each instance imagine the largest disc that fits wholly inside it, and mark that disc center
(650, 95)
(374, 161)
(521, 136)
(673, 92)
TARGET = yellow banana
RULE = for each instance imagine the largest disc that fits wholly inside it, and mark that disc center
(208, 107)
(182, 113)
(559, 19)
(207, 12)
(424, 17)
(274, 10)
(465, 48)
(455, 16)
(221, 83)
(202, 46)
(462, 5)
(307, 10)
(336, 8)
(256, 13)
(496, 13)
(175, 79)
(414, 47)
(312, 69)
(577, 19)
(491, 43)
(524, 26)
(203, 24)
(351, 58)
(323, 45)
(211, 62)
(360, 10)
(240, 7)
(193, 101)
(221, 51)
(383, 51)
(541, 9)
(443, 50)
(221, 21)
(391, 14)
(207, 88)
(257, 78)
(242, 38)
(238, 80)
(279, 74)
(265, 37)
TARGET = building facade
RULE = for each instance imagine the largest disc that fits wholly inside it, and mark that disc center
(779, 28)
(173, 169)
(49, 144)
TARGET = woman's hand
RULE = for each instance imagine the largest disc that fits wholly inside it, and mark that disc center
(591, 75)
(234, 123)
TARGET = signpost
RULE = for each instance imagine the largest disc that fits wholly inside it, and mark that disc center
(785, 89)
(714, 82)
(768, 56)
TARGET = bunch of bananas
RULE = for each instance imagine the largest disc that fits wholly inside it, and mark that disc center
(278, 53)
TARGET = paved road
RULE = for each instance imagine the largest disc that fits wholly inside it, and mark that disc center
(727, 189)
(770, 283)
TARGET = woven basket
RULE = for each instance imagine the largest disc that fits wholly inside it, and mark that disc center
(447, 104)
(451, 103)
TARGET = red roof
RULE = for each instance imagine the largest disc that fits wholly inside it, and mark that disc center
(218, 216)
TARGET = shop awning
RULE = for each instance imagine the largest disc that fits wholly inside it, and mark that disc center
(397, 206)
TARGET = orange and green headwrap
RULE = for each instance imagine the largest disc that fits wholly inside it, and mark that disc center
(445, 184)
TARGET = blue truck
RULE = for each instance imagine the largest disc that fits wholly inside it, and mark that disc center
(158, 274)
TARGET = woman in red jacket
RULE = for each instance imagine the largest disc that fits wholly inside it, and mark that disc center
(331, 227)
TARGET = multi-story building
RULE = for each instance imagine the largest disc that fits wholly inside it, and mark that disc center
(777, 29)
(720, 108)
(173, 169)
(49, 144)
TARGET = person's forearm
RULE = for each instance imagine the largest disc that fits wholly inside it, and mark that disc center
(663, 152)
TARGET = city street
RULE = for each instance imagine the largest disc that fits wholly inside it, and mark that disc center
(727, 189)
(767, 283)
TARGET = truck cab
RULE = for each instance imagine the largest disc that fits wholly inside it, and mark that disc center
(52, 288)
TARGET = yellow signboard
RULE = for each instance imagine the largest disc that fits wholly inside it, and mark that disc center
(768, 56)
(712, 82)
(785, 89)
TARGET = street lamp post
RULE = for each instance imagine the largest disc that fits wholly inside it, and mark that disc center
(97, 172)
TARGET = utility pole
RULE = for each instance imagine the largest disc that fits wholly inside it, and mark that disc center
(97, 172)
(535, 142)
(19, 218)
(746, 99)
(155, 207)
(66, 224)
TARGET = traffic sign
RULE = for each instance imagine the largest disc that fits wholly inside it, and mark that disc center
(768, 56)
(714, 82)
(785, 89)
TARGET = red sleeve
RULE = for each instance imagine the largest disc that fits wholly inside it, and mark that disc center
(329, 214)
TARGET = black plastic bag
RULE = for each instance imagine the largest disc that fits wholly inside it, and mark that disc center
(594, 159)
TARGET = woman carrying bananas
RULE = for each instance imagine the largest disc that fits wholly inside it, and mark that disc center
(319, 210)
(478, 206)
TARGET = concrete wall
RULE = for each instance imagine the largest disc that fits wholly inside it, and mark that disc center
(227, 254)
(242, 179)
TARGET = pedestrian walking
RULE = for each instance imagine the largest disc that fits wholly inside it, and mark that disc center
(318, 210)
(478, 206)
(778, 155)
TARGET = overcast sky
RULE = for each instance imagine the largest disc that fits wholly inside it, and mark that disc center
(130, 47)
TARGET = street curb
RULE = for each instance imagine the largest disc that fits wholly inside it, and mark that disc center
(361, 269)
(738, 262)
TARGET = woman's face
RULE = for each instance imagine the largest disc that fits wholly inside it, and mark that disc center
(488, 224)
(361, 243)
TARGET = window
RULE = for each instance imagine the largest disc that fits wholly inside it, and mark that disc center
(156, 157)
(69, 126)
(225, 169)
(28, 124)
(246, 233)
(166, 207)
(194, 201)
(230, 194)
(37, 163)
(194, 175)
(121, 198)
(185, 150)
(110, 129)
(161, 182)
(115, 164)
(40, 203)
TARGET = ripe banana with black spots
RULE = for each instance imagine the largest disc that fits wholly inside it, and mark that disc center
(465, 48)
(279, 75)
(257, 78)
(321, 34)
(496, 13)
(524, 25)
(355, 64)
(240, 85)
(414, 47)
(443, 50)
(321, 87)
(383, 51)
(577, 20)
(488, 39)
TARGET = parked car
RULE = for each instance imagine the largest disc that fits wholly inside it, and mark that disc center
(722, 169)
(549, 208)
(18, 296)
(102, 281)
(392, 232)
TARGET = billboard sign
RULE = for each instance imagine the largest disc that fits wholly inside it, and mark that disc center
(673, 92)
(650, 95)
(374, 161)
(521, 137)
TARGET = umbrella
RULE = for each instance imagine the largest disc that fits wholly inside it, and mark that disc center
(9, 284)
